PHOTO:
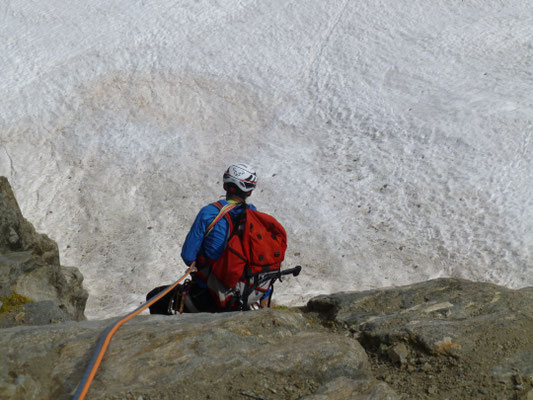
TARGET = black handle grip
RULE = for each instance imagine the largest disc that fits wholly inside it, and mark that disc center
(278, 274)
(294, 271)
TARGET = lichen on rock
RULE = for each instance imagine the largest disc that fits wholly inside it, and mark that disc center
(13, 302)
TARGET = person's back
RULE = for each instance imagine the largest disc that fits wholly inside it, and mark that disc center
(201, 248)
(236, 250)
(208, 237)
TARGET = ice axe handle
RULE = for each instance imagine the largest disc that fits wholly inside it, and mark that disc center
(291, 271)
(278, 274)
(294, 271)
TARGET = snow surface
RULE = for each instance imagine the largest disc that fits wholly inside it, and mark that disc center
(393, 138)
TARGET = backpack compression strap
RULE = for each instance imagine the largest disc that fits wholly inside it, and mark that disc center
(221, 214)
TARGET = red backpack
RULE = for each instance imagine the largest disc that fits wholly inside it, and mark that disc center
(257, 245)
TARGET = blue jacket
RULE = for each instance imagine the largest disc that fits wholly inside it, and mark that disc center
(214, 244)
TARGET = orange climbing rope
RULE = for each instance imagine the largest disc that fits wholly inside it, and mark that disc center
(98, 354)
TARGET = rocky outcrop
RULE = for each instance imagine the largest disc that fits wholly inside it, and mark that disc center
(267, 354)
(446, 338)
(19, 235)
(29, 266)
(441, 339)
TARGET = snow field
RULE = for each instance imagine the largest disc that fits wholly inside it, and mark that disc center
(392, 138)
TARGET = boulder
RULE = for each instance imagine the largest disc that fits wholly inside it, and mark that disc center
(34, 313)
(29, 266)
(266, 354)
(445, 338)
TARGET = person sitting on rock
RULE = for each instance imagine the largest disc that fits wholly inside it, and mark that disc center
(207, 239)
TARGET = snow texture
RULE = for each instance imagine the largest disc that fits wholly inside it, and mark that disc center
(392, 138)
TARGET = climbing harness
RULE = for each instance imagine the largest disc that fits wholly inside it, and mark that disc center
(98, 354)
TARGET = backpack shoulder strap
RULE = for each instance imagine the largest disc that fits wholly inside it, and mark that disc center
(223, 213)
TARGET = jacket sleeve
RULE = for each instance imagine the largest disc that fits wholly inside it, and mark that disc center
(195, 237)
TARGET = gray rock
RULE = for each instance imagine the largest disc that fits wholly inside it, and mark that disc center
(38, 313)
(29, 265)
(17, 234)
(475, 333)
(13, 238)
(271, 354)
(398, 353)
(23, 273)
(348, 389)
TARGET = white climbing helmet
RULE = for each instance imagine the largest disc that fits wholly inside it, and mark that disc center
(242, 175)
